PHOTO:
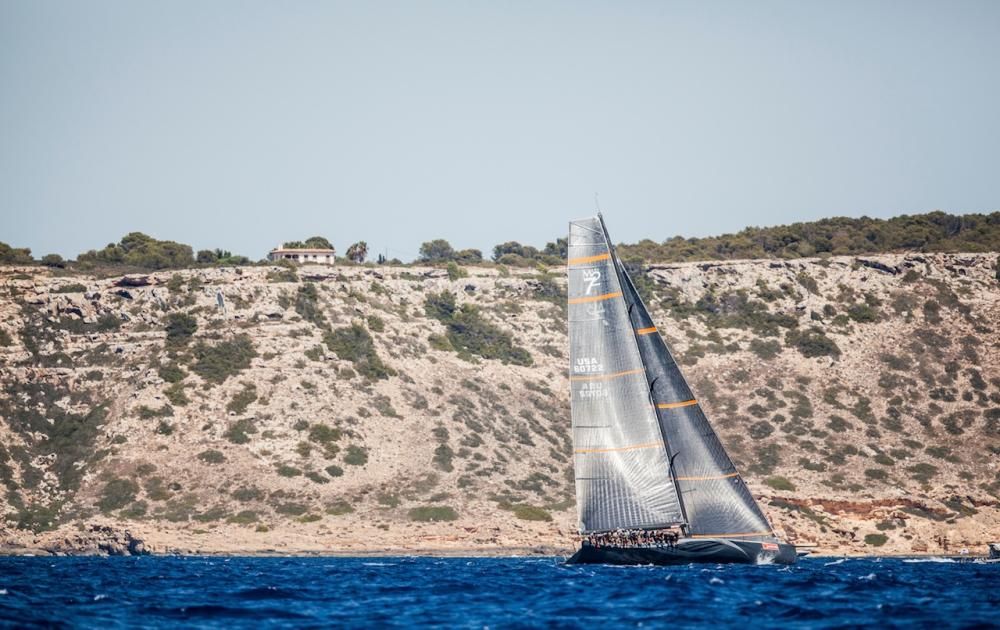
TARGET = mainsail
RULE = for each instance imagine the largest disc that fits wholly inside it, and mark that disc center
(688, 464)
(620, 461)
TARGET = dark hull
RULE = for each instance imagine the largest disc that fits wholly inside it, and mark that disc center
(688, 550)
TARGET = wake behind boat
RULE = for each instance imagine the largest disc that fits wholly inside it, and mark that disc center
(654, 484)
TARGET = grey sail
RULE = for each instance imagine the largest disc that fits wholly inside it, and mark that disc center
(716, 501)
(621, 465)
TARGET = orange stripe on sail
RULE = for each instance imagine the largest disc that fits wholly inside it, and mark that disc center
(741, 535)
(604, 377)
(646, 331)
(620, 448)
(588, 259)
(595, 298)
(675, 405)
(707, 478)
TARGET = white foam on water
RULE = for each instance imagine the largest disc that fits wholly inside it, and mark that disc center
(99, 597)
(3, 591)
(830, 564)
(932, 559)
(868, 578)
(716, 580)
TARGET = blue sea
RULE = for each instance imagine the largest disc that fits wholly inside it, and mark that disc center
(216, 592)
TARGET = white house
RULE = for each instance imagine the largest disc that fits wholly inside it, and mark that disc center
(305, 255)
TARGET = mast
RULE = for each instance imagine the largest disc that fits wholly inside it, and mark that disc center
(623, 279)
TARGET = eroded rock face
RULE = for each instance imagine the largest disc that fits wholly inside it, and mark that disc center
(858, 396)
(98, 540)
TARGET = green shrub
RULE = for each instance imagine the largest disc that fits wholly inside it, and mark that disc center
(117, 494)
(838, 424)
(923, 472)
(932, 312)
(876, 540)
(288, 471)
(808, 282)
(809, 464)
(212, 456)
(900, 363)
(432, 513)
(440, 342)
(212, 514)
(876, 474)
(135, 510)
(765, 348)
(239, 432)
(5, 339)
(442, 458)
(315, 477)
(862, 313)
(147, 413)
(780, 483)
(469, 332)
(353, 343)
(226, 358)
(172, 373)
(388, 500)
(245, 517)
(883, 459)
(175, 283)
(455, 272)
(376, 324)
(176, 395)
(322, 434)
(315, 353)
(165, 428)
(761, 430)
(155, 490)
(334, 471)
(356, 456)
(242, 399)
(291, 508)
(339, 508)
(180, 327)
(530, 513)
(812, 343)
(248, 493)
(307, 304)
(70, 288)
(282, 274)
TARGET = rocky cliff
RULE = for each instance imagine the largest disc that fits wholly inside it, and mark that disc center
(400, 408)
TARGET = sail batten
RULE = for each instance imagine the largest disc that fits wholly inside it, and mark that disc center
(621, 466)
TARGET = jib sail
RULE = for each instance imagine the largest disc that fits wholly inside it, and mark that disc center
(715, 499)
(621, 464)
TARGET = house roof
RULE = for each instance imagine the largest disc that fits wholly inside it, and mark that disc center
(307, 250)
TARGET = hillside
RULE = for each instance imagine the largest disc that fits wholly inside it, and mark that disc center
(361, 408)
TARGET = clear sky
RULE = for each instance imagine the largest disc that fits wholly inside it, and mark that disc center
(239, 124)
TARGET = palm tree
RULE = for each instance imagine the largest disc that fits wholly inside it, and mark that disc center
(358, 252)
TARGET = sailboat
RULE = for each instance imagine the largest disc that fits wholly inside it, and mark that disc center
(654, 485)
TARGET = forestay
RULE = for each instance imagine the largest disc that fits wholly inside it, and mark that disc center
(621, 465)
